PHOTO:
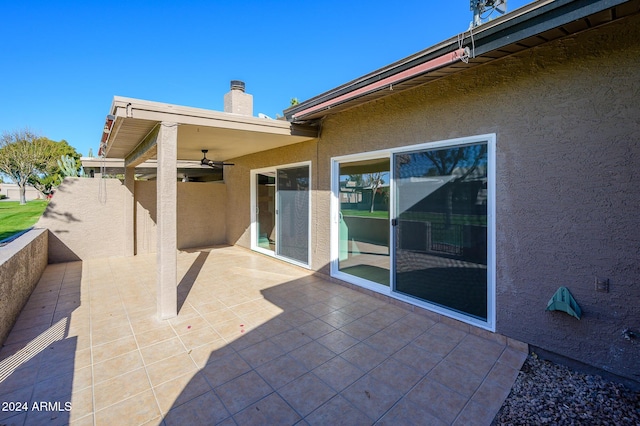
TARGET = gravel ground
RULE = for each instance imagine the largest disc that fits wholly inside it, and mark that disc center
(550, 394)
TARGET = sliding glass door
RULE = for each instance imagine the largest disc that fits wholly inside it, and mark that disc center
(266, 210)
(293, 213)
(441, 228)
(364, 219)
(417, 223)
(281, 212)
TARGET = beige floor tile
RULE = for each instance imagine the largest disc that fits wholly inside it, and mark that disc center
(264, 312)
(155, 335)
(170, 368)
(475, 414)
(209, 352)
(138, 409)
(512, 358)
(363, 356)
(84, 421)
(338, 373)
(338, 411)
(291, 339)
(162, 350)
(113, 349)
(260, 353)
(312, 355)
(280, 371)
(81, 404)
(24, 376)
(397, 375)
(243, 391)
(337, 341)
(120, 388)
(456, 378)
(190, 324)
(306, 393)
(491, 394)
(444, 403)
(230, 330)
(203, 409)
(108, 334)
(223, 370)
(418, 358)
(359, 329)
(180, 390)
(116, 366)
(409, 413)
(220, 316)
(272, 410)
(371, 396)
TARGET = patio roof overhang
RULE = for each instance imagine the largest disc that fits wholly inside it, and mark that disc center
(524, 28)
(130, 126)
(138, 130)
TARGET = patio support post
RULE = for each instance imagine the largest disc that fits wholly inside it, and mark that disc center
(167, 192)
(130, 212)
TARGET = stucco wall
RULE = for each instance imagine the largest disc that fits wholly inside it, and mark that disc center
(22, 262)
(202, 215)
(85, 219)
(567, 120)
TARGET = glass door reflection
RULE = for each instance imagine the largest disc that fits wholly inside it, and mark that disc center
(441, 231)
(364, 220)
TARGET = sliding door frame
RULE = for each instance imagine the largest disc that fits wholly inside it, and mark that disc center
(335, 220)
(254, 212)
(490, 140)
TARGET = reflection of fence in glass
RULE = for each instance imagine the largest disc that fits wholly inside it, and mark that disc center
(445, 239)
(463, 241)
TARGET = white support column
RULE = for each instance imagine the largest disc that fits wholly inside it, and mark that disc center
(167, 193)
(130, 212)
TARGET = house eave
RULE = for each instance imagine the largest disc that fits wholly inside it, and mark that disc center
(522, 29)
(225, 135)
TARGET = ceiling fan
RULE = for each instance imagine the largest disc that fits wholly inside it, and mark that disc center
(211, 163)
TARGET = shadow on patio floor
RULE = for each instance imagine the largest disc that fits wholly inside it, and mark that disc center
(257, 341)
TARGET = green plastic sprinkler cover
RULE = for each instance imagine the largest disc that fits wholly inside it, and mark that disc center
(563, 301)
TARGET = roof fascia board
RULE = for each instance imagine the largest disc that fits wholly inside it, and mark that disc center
(547, 17)
(136, 108)
(156, 111)
(383, 83)
(511, 28)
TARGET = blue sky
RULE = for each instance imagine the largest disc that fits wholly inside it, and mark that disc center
(62, 62)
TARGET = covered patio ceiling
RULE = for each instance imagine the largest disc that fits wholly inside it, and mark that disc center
(132, 122)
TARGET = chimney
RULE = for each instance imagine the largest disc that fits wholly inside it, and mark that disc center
(237, 101)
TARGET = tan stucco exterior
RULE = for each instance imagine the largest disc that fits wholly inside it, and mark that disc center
(565, 116)
(86, 218)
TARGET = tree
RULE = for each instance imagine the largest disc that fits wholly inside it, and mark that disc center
(368, 180)
(23, 156)
(54, 174)
(445, 162)
(375, 181)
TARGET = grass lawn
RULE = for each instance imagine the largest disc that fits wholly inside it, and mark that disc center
(15, 218)
(365, 213)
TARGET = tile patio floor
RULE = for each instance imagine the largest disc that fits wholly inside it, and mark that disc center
(256, 341)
